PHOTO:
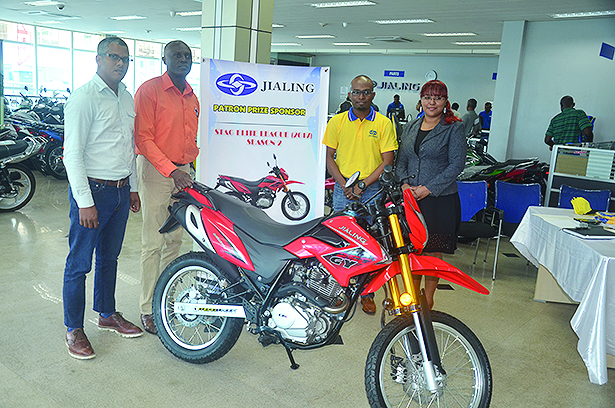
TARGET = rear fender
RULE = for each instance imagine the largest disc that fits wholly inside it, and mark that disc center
(429, 266)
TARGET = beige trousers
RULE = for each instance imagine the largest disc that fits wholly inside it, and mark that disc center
(157, 250)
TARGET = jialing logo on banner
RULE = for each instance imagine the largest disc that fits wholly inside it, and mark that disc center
(236, 84)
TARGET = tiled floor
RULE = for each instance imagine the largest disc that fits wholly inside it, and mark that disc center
(531, 346)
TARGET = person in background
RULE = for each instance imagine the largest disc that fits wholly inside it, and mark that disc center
(485, 116)
(344, 106)
(396, 108)
(359, 140)
(455, 109)
(431, 156)
(471, 121)
(99, 158)
(166, 123)
(566, 126)
(419, 109)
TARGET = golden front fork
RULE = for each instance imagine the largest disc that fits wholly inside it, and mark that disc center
(410, 296)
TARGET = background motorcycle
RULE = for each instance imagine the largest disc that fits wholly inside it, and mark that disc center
(261, 193)
(17, 183)
(296, 285)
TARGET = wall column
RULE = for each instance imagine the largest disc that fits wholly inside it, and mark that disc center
(237, 30)
(506, 90)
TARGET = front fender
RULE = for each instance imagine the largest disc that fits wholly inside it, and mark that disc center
(430, 266)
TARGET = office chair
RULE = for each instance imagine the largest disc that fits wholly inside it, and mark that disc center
(513, 200)
(599, 200)
(474, 224)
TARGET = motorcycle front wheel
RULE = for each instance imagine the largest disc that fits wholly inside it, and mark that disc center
(296, 208)
(22, 186)
(53, 161)
(194, 278)
(394, 375)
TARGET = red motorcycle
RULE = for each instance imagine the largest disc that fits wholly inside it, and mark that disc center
(261, 193)
(296, 285)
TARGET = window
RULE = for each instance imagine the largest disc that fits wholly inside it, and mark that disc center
(18, 68)
(54, 68)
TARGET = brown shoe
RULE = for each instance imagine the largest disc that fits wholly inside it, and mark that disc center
(369, 306)
(118, 324)
(147, 320)
(78, 345)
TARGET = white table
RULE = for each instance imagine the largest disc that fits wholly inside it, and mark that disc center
(585, 271)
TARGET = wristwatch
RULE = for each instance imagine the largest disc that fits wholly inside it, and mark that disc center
(361, 185)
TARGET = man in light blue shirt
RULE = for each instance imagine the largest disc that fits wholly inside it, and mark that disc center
(99, 156)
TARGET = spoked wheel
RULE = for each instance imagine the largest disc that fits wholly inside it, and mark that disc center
(194, 278)
(296, 208)
(53, 161)
(22, 186)
(394, 375)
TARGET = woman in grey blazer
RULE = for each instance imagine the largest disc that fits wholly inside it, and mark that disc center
(431, 156)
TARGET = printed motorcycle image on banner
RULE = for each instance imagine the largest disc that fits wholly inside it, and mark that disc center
(261, 129)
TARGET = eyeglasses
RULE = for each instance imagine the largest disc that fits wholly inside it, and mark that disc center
(435, 98)
(116, 58)
(364, 93)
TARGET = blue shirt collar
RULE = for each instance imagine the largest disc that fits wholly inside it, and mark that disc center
(370, 117)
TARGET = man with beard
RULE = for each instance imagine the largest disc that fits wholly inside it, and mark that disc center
(359, 140)
(166, 122)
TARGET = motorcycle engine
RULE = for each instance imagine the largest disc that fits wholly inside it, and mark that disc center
(296, 316)
(265, 198)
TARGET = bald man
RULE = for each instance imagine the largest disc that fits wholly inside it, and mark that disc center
(166, 123)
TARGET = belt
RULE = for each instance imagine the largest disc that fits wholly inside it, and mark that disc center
(114, 183)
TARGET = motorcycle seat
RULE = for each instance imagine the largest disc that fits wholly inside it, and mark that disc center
(253, 186)
(12, 147)
(256, 223)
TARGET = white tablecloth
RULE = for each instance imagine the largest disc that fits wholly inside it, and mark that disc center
(585, 270)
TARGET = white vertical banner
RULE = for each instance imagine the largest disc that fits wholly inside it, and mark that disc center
(251, 112)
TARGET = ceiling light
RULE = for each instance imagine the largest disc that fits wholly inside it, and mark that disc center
(448, 34)
(351, 44)
(285, 44)
(584, 14)
(409, 21)
(478, 43)
(343, 4)
(188, 29)
(41, 3)
(188, 13)
(315, 36)
(122, 18)
(274, 25)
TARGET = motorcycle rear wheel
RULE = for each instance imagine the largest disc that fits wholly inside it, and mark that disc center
(194, 338)
(23, 188)
(394, 376)
(299, 209)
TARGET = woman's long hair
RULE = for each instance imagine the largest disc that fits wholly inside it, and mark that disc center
(437, 88)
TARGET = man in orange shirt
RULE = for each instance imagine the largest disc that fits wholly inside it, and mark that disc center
(166, 123)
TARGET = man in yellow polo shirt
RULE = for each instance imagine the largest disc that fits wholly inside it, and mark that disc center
(359, 140)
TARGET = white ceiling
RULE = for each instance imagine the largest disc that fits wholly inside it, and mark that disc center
(349, 24)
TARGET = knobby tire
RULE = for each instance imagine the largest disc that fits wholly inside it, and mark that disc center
(394, 375)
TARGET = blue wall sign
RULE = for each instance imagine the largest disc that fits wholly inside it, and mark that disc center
(397, 74)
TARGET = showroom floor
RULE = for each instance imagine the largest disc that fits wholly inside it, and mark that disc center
(531, 346)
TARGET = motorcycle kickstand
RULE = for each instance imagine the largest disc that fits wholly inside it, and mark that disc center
(293, 364)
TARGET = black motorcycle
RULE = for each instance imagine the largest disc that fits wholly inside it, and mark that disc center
(17, 183)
